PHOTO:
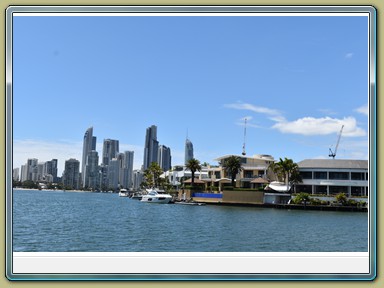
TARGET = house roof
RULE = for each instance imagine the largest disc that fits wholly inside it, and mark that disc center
(259, 180)
(333, 164)
(196, 181)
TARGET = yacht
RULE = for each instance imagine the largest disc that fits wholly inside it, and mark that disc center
(123, 193)
(156, 196)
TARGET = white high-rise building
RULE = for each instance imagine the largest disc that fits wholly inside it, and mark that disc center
(16, 174)
(126, 172)
(32, 169)
(24, 173)
(138, 176)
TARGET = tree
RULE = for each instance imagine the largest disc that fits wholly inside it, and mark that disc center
(29, 184)
(193, 165)
(232, 165)
(341, 198)
(152, 175)
(287, 171)
(301, 198)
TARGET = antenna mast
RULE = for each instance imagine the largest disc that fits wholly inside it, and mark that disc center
(333, 154)
(245, 132)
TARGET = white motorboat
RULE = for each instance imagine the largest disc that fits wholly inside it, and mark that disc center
(191, 203)
(123, 193)
(279, 187)
(156, 196)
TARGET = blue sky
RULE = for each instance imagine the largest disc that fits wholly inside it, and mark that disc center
(297, 80)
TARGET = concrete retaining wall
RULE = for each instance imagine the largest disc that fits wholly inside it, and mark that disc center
(243, 197)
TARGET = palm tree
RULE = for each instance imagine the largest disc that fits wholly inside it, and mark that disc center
(193, 165)
(287, 168)
(152, 175)
(232, 165)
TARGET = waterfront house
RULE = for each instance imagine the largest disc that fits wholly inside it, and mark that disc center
(253, 168)
(333, 176)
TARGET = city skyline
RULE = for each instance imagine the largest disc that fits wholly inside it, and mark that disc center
(296, 80)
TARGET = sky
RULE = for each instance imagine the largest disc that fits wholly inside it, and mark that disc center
(296, 79)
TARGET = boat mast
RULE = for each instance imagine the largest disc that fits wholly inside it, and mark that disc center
(245, 132)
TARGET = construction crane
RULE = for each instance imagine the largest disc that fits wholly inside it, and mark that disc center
(331, 153)
(245, 131)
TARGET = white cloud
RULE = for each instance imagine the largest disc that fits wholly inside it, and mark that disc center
(306, 125)
(240, 122)
(348, 55)
(320, 126)
(363, 109)
(275, 115)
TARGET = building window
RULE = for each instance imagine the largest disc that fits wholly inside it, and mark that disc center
(357, 191)
(321, 190)
(321, 175)
(333, 190)
(339, 175)
(304, 188)
(248, 174)
(306, 175)
(357, 176)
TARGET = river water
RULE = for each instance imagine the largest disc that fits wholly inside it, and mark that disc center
(58, 221)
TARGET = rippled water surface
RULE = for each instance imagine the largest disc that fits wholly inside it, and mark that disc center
(55, 221)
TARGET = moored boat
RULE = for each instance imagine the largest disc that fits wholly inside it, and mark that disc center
(136, 195)
(123, 193)
(156, 196)
(191, 203)
(278, 187)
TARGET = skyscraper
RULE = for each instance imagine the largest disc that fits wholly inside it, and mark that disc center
(89, 144)
(138, 176)
(188, 151)
(126, 169)
(164, 157)
(50, 168)
(110, 150)
(32, 169)
(92, 171)
(151, 147)
(113, 174)
(71, 174)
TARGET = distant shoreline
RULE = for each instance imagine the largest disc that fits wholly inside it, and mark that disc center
(52, 190)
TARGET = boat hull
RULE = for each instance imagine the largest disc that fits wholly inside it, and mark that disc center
(158, 200)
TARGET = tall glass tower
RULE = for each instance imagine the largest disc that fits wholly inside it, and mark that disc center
(188, 151)
(110, 150)
(89, 144)
(164, 157)
(71, 174)
(151, 147)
